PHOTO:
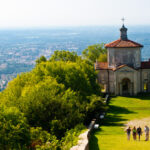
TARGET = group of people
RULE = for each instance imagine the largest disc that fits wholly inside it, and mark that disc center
(137, 132)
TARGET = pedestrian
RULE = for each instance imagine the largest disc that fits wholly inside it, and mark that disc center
(146, 129)
(139, 132)
(128, 130)
(134, 133)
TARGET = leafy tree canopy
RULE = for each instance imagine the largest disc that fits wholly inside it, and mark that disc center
(80, 76)
(59, 89)
(41, 59)
(102, 58)
(56, 95)
(64, 56)
(14, 130)
(93, 52)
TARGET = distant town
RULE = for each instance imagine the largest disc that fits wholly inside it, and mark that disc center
(20, 48)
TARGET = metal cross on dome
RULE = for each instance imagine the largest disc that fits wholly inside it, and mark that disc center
(123, 19)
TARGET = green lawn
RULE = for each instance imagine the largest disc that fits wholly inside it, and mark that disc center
(111, 135)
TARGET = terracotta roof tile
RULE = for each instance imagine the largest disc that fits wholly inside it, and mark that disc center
(121, 66)
(122, 44)
(101, 65)
(104, 66)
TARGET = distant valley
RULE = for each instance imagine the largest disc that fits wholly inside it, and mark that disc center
(19, 48)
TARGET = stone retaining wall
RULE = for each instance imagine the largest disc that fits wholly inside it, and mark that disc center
(83, 143)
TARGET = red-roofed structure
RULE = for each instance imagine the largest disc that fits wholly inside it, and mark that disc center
(123, 44)
(101, 65)
(104, 66)
(124, 73)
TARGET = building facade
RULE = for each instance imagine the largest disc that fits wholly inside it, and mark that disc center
(124, 73)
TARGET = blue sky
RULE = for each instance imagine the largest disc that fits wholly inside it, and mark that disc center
(47, 13)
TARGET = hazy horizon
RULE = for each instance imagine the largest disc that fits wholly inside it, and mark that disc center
(58, 13)
(114, 27)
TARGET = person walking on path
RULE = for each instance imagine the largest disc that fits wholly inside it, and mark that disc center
(139, 132)
(134, 133)
(146, 129)
(128, 130)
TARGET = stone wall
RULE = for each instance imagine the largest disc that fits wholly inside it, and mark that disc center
(83, 143)
(106, 78)
(120, 56)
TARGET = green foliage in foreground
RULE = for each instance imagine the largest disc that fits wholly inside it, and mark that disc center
(71, 137)
(42, 140)
(55, 97)
(14, 130)
(111, 134)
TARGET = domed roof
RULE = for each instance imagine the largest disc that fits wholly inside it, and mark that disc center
(123, 44)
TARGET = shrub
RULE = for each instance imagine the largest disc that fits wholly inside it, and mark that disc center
(14, 130)
(42, 140)
(56, 96)
(95, 107)
(71, 137)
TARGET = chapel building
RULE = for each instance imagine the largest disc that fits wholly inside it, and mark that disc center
(124, 73)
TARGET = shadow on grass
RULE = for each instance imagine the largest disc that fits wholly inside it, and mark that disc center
(93, 144)
(113, 118)
(142, 96)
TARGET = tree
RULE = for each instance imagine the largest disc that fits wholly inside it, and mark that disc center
(35, 98)
(93, 52)
(14, 130)
(94, 108)
(41, 59)
(56, 95)
(74, 75)
(42, 140)
(102, 58)
(64, 56)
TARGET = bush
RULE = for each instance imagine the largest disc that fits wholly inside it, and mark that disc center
(94, 108)
(56, 96)
(79, 77)
(14, 130)
(42, 140)
(64, 56)
(46, 96)
(71, 137)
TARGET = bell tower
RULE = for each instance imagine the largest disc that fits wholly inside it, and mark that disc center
(123, 32)
(124, 51)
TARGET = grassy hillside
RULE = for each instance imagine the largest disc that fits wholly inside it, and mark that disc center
(123, 110)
